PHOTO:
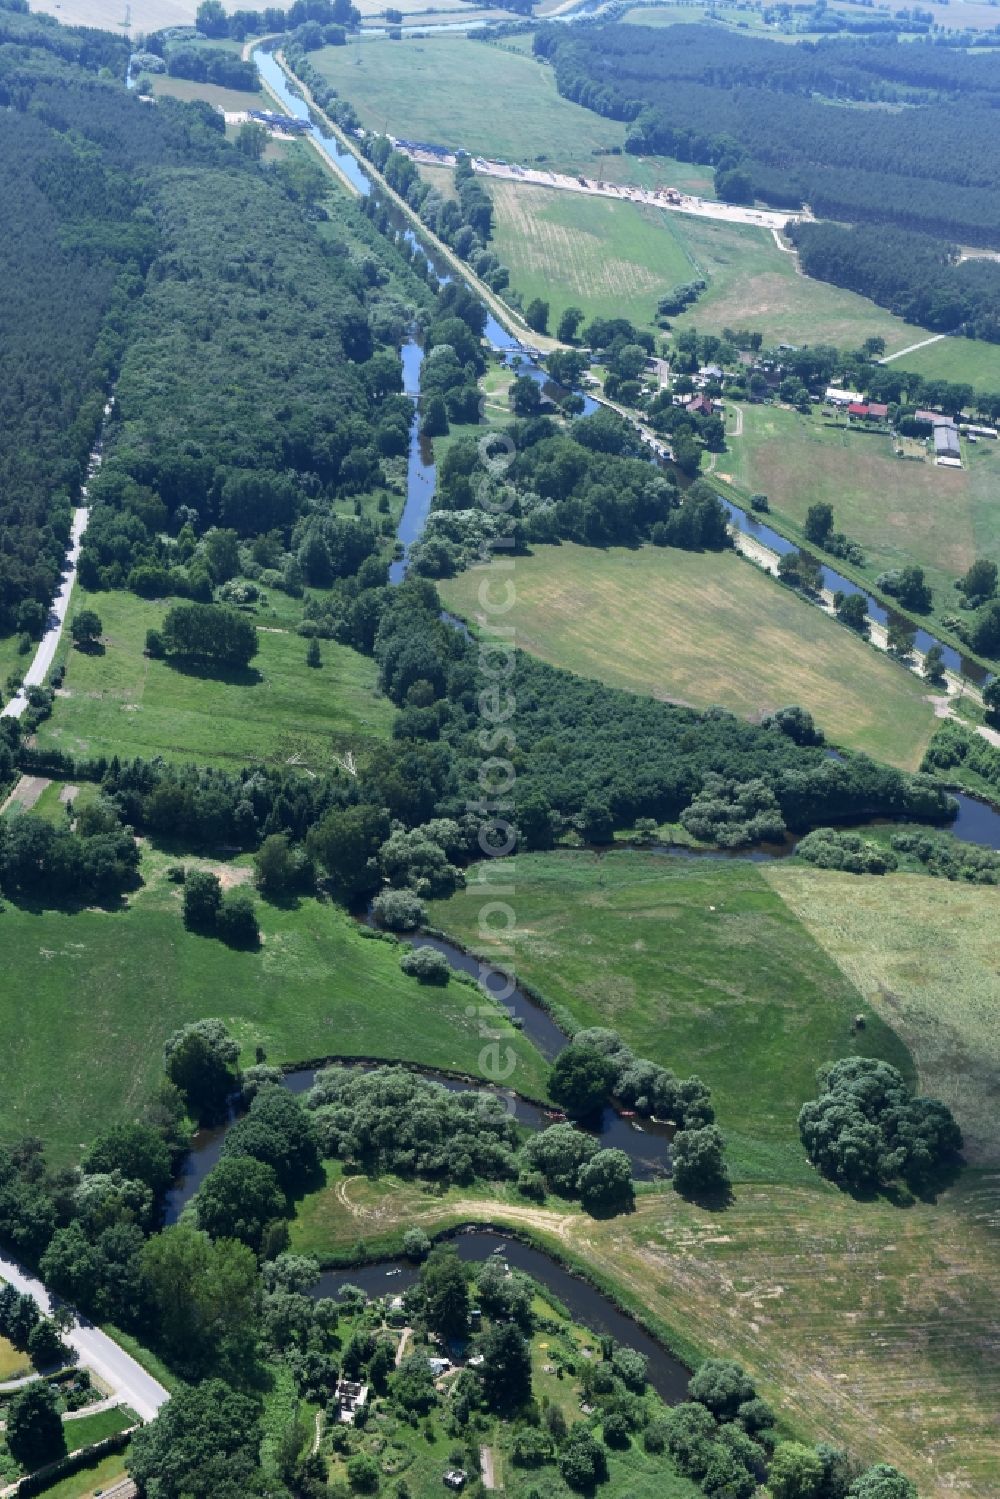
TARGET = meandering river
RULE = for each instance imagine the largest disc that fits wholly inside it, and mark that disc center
(667, 1375)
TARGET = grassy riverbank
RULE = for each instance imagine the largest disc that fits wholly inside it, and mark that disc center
(845, 1313)
(706, 629)
(701, 966)
(898, 510)
(98, 993)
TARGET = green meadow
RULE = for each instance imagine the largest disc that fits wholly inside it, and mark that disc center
(492, 100)
(612, 259)
(699, 964)
(968, 361)
(899, 510)
(280, 711)
(706, 629)
(92, 995)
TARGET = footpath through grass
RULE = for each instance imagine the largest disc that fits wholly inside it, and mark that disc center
(865, 1324)
(965, 360)
(280, 711)
(90, 997)
(700, 965)
(705, 629)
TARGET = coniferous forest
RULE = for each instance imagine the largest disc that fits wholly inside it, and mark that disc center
(782, 122)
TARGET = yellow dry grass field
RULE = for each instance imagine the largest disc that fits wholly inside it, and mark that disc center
(705, 629)
(926, 956)
(146, 15)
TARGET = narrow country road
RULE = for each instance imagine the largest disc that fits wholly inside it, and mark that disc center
(126, 1378)
(45, 654)
(912, 348)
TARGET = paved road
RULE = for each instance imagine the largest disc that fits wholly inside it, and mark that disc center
(117, 1369)
(703, 208)
(912, 348)
(35, 675)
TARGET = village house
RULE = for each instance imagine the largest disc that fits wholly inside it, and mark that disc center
(947, 449)
(700, 405)
(350, 1397)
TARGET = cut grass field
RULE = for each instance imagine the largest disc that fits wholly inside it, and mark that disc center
(926, 956)
(898, 510)
(90, 997)
(865, 1324)
(752, 284)
(280, 711)
(233, 101)
(705, 629)
(615, 259)
(701, 966)
(612, 259)
(13, 1363)
(490, 100)
(968, 361)
(106, 15)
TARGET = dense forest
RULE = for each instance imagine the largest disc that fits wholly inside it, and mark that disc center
(919, 278)
(251, 394)
(782, 122)
(80, 234)
(591, 485)
(72, 256)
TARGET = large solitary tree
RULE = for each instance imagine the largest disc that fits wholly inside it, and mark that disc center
(34, 1426)
(86, 629)
(446, 1293)
(204, 1444)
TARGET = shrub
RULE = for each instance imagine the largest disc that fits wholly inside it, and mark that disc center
(236, 920)
(426, 965)
(202, 900)
(399, 910)
(416, 1244)
(831, 848)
